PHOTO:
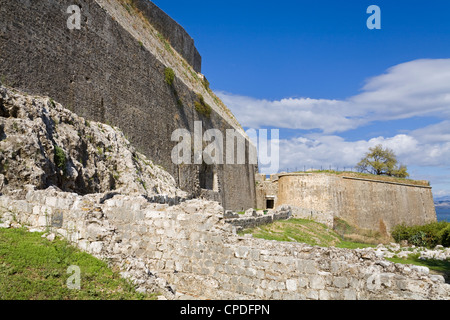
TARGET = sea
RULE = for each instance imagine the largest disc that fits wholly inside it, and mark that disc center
(443, 214)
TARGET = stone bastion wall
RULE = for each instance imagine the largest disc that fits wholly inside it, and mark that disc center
(366, 203)
(172, 31)
(188, 250)
(112, 70)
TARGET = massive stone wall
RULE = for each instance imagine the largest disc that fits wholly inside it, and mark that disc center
(172, 31)
(367, 203)
(189, 250)
(112, 71)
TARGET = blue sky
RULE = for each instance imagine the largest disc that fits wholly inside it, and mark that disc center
(333, 87)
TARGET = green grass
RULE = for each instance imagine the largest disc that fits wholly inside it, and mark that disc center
(169, 76)
(33, 268)
(166, 43)
(202, 107)
(441, 267)
(354, 234)
(303, 231)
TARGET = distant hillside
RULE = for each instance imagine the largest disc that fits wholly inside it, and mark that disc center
(442, 204)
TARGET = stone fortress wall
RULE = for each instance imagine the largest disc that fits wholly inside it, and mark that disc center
(180, 40)
(112, 71)
(188, 250)
(366, 203)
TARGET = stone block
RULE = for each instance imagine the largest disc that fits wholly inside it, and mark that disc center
(291, 285)
(350, 294)
(276, 295)
(42, 221)
(303, 282)
(312, 294)
(324, 295)
(51, 201)
(307, 266)
(340, 282)
(317, 282)
(96, 247)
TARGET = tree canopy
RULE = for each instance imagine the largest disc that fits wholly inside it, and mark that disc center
(382, 161)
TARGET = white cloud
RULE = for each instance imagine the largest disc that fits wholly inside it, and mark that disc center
(318, 151)
(303, 113)
(421, 147)
(416, 88)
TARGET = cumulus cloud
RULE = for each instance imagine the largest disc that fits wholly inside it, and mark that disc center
(304, 113)
(316, 151)
(425, 147)
(416, 88)
(419, 88)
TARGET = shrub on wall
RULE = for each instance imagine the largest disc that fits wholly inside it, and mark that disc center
(60, 158)
(202, 107)
(169, 76)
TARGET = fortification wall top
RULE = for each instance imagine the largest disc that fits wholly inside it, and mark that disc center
(180, 40)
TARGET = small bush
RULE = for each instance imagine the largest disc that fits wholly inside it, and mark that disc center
(444, 236)
(202, 107)
(60, 158)
(169, 76)
(401, 232)
(419, 239)
(428, 235)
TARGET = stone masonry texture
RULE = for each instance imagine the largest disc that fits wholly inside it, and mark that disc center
(189, 250)
(368, 204)
(172, 31)
(104, 73)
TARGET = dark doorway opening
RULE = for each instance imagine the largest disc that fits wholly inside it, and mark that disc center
(270, 203)
(206, 177)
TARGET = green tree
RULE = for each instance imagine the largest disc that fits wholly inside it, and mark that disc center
(382, 161)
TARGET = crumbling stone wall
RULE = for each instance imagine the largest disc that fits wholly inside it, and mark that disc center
(253, 219)
(189, 250)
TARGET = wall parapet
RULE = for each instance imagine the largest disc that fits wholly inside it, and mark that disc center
(180, 40)
(388, 182)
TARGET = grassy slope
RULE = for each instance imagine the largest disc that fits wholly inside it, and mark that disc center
(33, 268)
(435, 266)
(305, 231)
(316, 234)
